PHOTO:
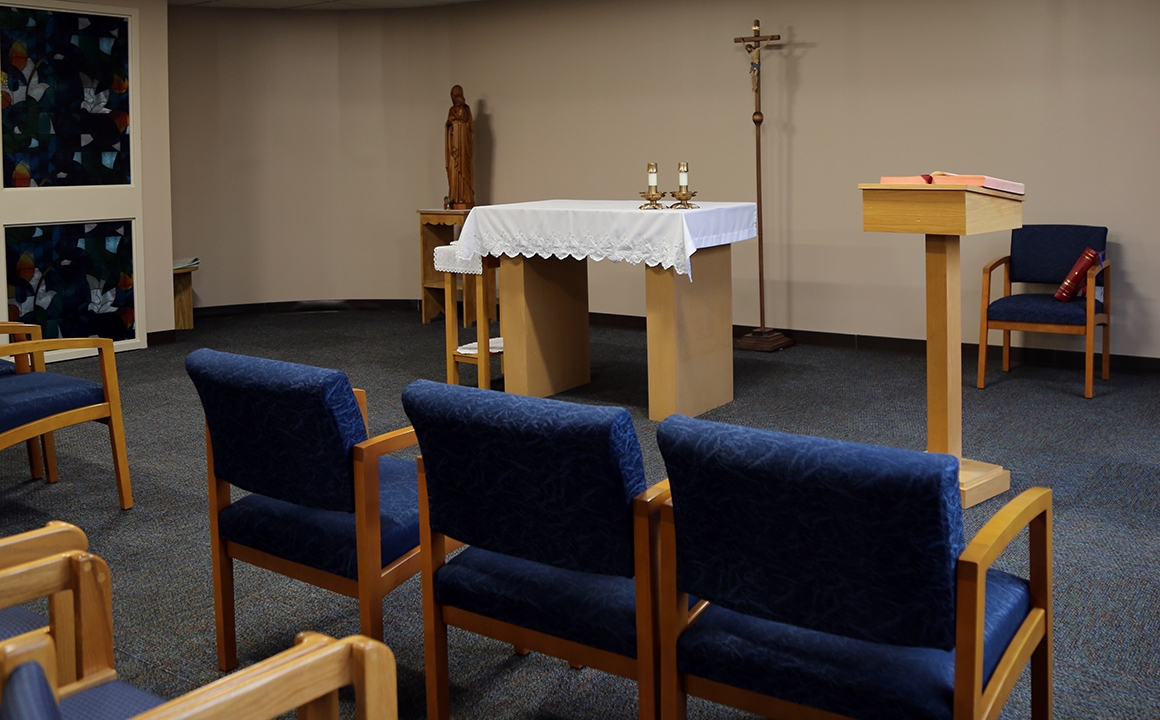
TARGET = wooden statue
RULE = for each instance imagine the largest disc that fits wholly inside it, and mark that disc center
(459, 133)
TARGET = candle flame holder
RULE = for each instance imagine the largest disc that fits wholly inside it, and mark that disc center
(652, 195)
(683, 196)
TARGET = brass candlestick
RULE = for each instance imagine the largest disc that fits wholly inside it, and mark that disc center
(682, 194)
(652, 194)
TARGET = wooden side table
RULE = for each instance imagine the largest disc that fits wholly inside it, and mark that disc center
(183, 298)
(437, 227)
(944, 213)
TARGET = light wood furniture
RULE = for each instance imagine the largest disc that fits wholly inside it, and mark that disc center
(29, 356)
(690, 330)
(944, 213)
(437, 227)
(183, 298)
(484, 287)
(54, 538)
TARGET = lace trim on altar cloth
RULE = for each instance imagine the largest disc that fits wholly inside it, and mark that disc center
(652, 251)
(447, 259)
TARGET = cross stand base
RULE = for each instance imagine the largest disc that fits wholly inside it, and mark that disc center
(762, 339)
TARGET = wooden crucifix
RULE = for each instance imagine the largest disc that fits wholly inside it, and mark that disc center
(762, 339)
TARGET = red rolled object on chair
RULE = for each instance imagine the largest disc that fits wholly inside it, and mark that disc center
(1074, 279)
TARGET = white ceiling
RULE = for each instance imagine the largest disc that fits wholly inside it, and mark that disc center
(316, 4)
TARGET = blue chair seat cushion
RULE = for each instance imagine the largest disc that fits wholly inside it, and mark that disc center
(28, 397)
(325, 539)
(1040, 308)
(113, 700)
(594, 610)
(17, 621)
(28, 695)
(7, 367)
(856, 678)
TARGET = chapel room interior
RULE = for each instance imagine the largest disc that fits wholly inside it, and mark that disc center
(288, 145)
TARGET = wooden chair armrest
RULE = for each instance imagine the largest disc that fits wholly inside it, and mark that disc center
(1095, 270)
(40, 346)
(24, 331)
(990, 267)
(294, 679)
(649, 502)
(55, 537)
(1001, 529)
(386, 443)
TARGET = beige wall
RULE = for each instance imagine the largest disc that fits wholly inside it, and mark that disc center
(302, 142)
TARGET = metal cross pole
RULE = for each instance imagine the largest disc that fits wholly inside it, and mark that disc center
(762, 339)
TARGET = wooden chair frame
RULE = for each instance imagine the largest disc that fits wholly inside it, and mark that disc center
(1032, 641)
(86, 577)
(29, 356)
(375, 581)
(54, 538)
(436, 617)
(483, 287)
(1088, 330)
(306, 677)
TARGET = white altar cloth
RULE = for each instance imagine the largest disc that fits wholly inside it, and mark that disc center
(605, 230)
(447, 260)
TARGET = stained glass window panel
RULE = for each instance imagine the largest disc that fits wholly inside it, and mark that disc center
(64, 89)
(73, 280)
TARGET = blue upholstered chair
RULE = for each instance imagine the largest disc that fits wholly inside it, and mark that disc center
(832, 579)
(306, 677)
(35, 403)
(1045, 254)
(326, 505)
(54, 538)
(92, 690)
(551, 498)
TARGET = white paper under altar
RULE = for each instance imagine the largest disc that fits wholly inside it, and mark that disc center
(616, 230)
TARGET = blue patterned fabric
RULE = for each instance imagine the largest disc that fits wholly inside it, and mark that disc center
(28, 695)
(855, 540)
(32, 396)
(1046, 253)
(113, 700)
(7, 367)
(280, 429)
(326, 539)
(858, 679)
(1040, 308)
(17, 621)
(543, 480)
(594, 610)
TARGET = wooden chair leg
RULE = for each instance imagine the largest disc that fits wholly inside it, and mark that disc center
(435, 656)
(120, 461)
(1042, 662)
(1089, 362)
(223, 605)
(49, 457)
(982, 383)
(370, 610)
(520, 650)
(320, 708)
(1006, 351)
(36, 458)
(1105, 356)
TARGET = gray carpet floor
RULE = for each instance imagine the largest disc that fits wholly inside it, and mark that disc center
(1101, 458)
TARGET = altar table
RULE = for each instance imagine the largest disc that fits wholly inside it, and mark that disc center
(543, 287)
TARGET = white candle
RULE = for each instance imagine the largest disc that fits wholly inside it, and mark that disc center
(683, 174)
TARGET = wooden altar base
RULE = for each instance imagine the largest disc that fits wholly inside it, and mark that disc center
(979, 481)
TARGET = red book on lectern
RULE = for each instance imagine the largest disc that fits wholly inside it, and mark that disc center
(1074, 279)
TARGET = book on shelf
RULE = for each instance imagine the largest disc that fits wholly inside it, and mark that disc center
(183, 263)
(945, 178)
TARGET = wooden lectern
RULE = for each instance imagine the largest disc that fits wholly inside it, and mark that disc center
(944, 213)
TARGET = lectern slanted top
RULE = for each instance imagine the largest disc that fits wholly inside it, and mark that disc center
(943, 213)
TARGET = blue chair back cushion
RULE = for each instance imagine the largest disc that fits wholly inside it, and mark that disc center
(1040, 308)
(326, 539)
(28, 696)
(7, 367)
(853, 678)
(28, 397)
(1046, 253)
(543, 480)
(855, 540)
(280, 429)
(593, 610)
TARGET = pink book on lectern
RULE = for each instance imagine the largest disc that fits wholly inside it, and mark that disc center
(944, 178)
